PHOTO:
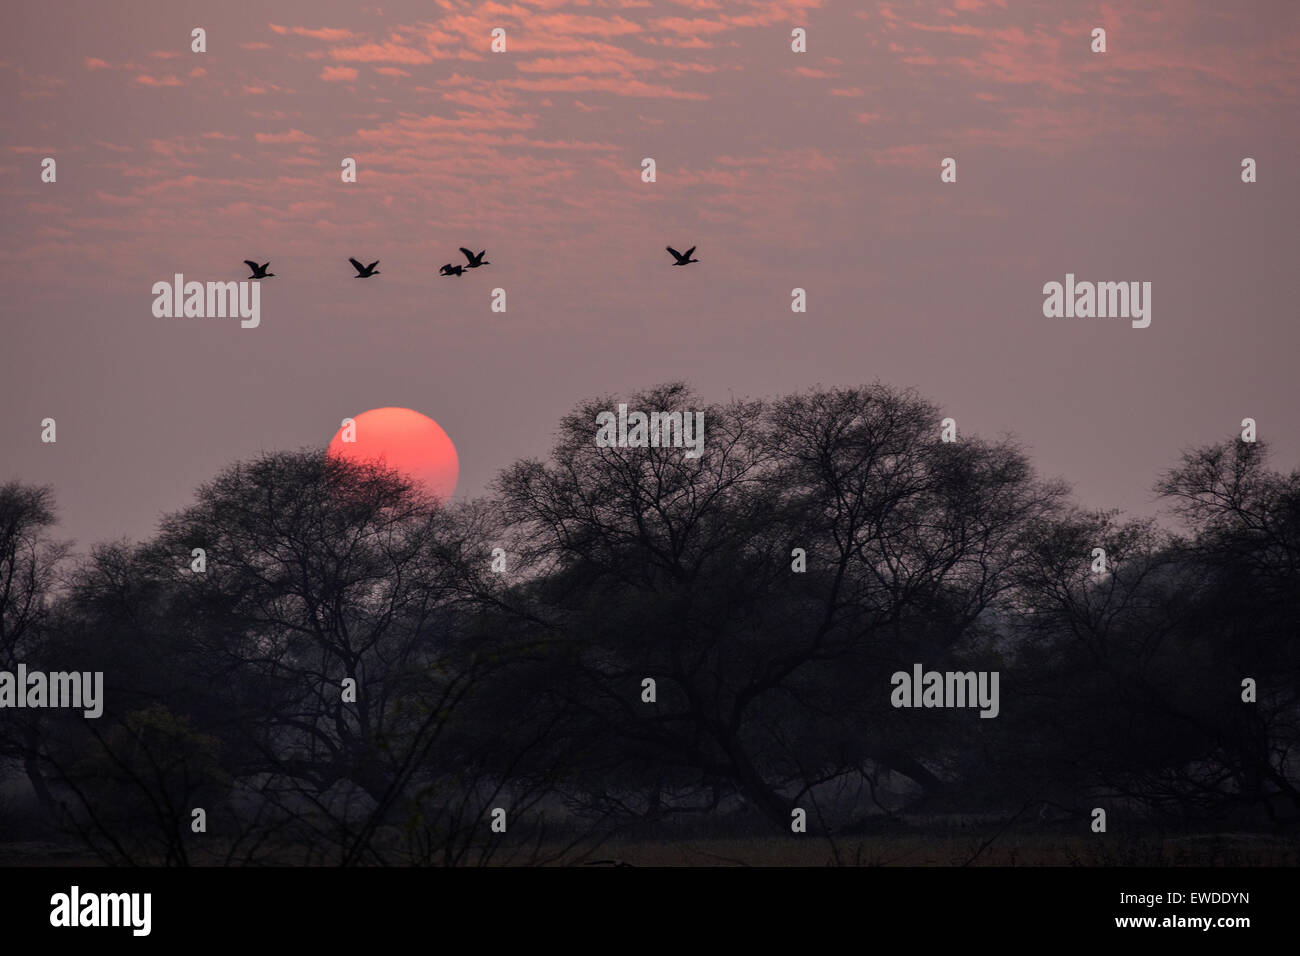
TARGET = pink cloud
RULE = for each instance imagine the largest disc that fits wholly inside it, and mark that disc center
(334, 74)
(576, 26)
(688, 43)
(112, 200)
(418, 129)
(329, 34)
(293, 136)
(381, 53)
(689, 27)
(623, 63)
(606, 84)
(479, 100)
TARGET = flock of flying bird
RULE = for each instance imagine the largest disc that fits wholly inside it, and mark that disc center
(475, 261)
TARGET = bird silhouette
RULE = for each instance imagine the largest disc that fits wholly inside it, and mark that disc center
(682, 259)
(259, 272)
(475, 260)
(365, 272)
(450, 270)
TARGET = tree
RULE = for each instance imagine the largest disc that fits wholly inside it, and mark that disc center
(29, 564)
(1246, 526)
(770, 683)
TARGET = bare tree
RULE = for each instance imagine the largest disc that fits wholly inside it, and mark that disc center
(30, 559)
(769, 682)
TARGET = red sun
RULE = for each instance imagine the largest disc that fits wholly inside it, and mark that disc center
(406, 441)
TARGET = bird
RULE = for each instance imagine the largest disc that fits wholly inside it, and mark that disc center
(450, 270)
(365, 272)
(682, 259)
(259, 272)
(475, 260)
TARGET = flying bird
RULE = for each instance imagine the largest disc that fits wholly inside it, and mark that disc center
(365, 272)
(682, 259)
(450, 270)
(475, 260)
(259, 272)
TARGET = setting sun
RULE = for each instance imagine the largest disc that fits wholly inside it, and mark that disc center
(407, 441)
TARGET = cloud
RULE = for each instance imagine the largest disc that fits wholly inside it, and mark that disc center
(479, 99)
(623, 63)
(146, 80)
(416, 129)
(329, 34)
(335, 74)
(112, 200)
(293, 136)
(688, 43)
(381, 53)
(621, 86)
(689, 27)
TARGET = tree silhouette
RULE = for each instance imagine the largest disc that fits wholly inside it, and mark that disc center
(769, 588)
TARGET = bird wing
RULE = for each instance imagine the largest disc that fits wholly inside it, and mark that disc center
(676, 255)
(252, 265)
(468, 255)
(372, 265)
(266, 265)
(689, 252)
(356, 265)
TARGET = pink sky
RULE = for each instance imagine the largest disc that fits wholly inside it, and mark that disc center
(818, 170)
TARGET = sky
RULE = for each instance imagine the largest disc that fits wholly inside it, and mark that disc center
(818, 170)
